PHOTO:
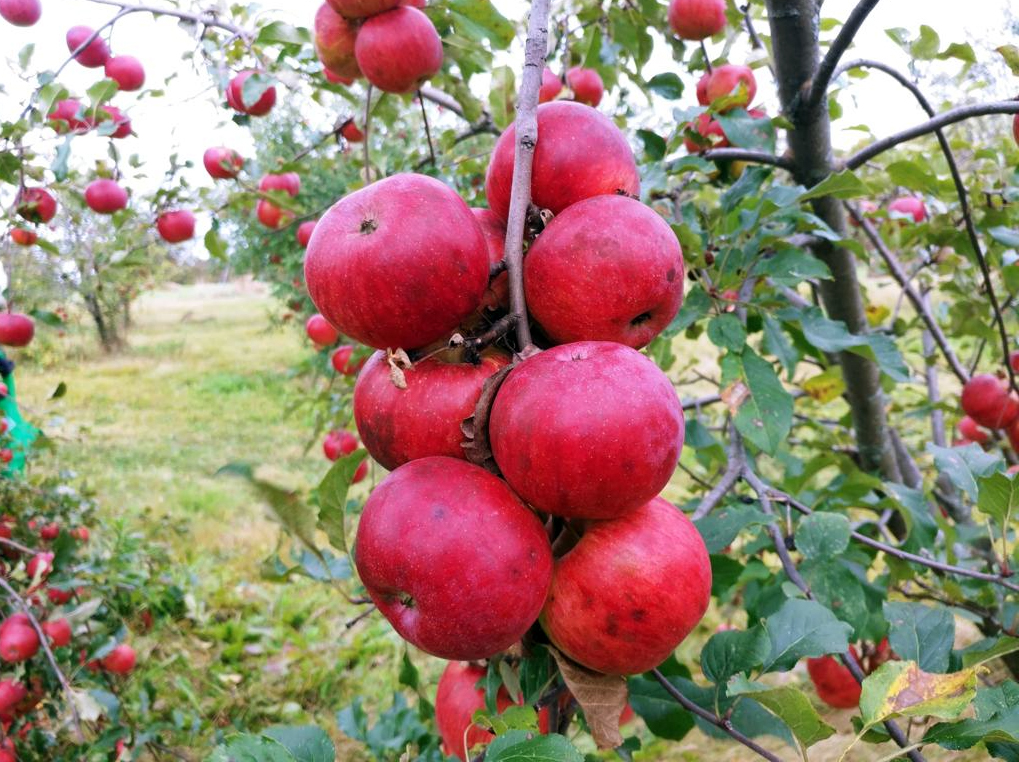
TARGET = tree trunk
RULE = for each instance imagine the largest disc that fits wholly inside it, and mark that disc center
(109, 338)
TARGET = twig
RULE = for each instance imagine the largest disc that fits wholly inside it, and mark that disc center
(204, 19)
(367, 132)
(733, 470)
(707, 58)
(700, 402)
(428, 131)
(757, 157)
(933, 384)
(841, 43)
(18, 546)
(363, 615)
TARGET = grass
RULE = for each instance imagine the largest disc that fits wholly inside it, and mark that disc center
(204, 383)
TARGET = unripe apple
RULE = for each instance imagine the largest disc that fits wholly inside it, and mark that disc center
(397, 51)
(734, 82)
(988, 401)
(586, 85)
(65, 117)
(304, 231)
(608, 268)
(176, 226)
(272, 216)
(24, 237)
(287, 181)
(121, 660)
(127, 71)
(551, 86)
(341, 361)
(494, 229)
(119, 119)
(697, 19)
(909, 205)
(16, 330)
(222, 163)
(235, 96)
(18, 642)
(58, 631)
(320, 332)
(400, 425)
(94, 54)
(630, 591)
(334, 42)
(452, 558)
(36, 205)
(398, 263)
(21, 12)
(359, 9)
(105, 196)
(581, 154)
(12, 693)
(351, 133)
(970, 430)
(835, 684)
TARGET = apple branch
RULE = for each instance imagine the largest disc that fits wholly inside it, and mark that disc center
(756, 157)
(205, 19)
(733, 471)
(523, 159)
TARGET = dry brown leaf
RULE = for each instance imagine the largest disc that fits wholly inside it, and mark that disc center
(602, 697)
(398, 362)
(735, 395)
(476, 446)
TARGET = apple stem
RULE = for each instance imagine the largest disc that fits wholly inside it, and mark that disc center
(428, 131)
(707, 58)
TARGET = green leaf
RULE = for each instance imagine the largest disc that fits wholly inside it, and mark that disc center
(1004, 235)
(839, 590)
(695, 306)
(732, 652)
(25, 55)
(901, 688)
(766, 414)
(101, 92)
(1003, 728)
(842, 184)
(921, 633)
(777, 343)
(215, 245)
(332, 497)
(660, 712)
(823, 535)
(254, 88)
(912, 175)
(59, 166)
(654, 144)
(833, 336)
(306, 743)
(251, 748)
(1004, 645)
(791, 706)
(800, 629)
(727, 331)
(516, 746)
(789, 266)
(502, 96)
(408, 672)
(960, 50)
(667, 85)
(483, 17)
(999, 496)
(278, 32)
(1011, 55)
(721, 526)
(926, 45)
(745, 131)
(964, 465)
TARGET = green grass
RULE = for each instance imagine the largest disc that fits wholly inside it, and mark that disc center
(204, 383)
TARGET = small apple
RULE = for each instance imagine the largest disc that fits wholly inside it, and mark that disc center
(127, 71)
(970, 430)
(398, 50)
(304, 231)
(81, 533)
(341, 361)
(16, 330)
(586, 85)
(289, 182)
(551, 86)
(21, 12)
(58, 631)
(120, 661)
(988, 401)
(176, 226)
(36, 205)
(24, 236)
(334, 42)
(119, 120)
(909, 206)
(18, 642)
(50, 532)
(93, 55)
(59, 597)
(835, 684)
(65, 117)
(320, 332)
(696, 19)
(337, 79)
(222, 163)
(12, 693)
(709, 129)
(237, 101)
(734, 82)
(6, 455)
(342, 442)
(105, 196)
(272, 216)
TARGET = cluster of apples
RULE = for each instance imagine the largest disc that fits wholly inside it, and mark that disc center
(391, 43)
(585, 84)
(989, 404)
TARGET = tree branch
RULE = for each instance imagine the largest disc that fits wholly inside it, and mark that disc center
(733, 470)
(205, 19)
(740, 154)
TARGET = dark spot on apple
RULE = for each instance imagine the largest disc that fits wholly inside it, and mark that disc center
(438, 512)
(369, 226)
(611, 625)
(638, 615)
(641, 318)
(671, 274)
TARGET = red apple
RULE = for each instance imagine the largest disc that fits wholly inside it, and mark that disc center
(41, 564)
(334, 42)
(608, 268)
(119, 119)
(6, 455)
(586, 85)
(341, 361)
(970, 429)
(342, 442)
(909, 205)
(551, 86)
(8, 753)
(359, 9)
(120, 661)
(630, 591)
(176, 226)
(67, 116)
(398, 263)
(708, 128)
(18, 642)
(987, 400)
(21, 12)
(587, 430)
(272, 216)
(733, 82)
(398, 50)
(401, 425)
(92, 56)
(702, 89)
(16, 330)
(235, 96)
(58, 631)
(287, 181)
(494, 229)
(580, 153)
(12, 693)
(320, 332)
(24, 236)
(36, 205)
(81, 533)
(697, 19)
(59, 597)
(127, 71)
(865, 207)
(105, 196)
(337, 79)
(50, 532)
(222, 163)
(835, 684)
(351, 132)
(1013, 360)
(304, 231)
(1015, 127)
(452, 558)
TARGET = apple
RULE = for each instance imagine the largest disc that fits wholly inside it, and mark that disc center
(8, 752)
(16, 330)
(287, 181)
(65, 117)
(320, 332)
(21, 12)
(398, 263)
(397, 51)
(351, 133)
(272, 216)
(835, 684)
(341, 361)
(586, 85)
(734, 82)
(93, 55)
(970, 430)
(708, 128)
(24, 236)
(453, 559)
(105, 196)
(359, 9)
(120, 661)
(58, 631)
(18, 642)
(587, 430)
(696, 19)
(12, 693)
(6, 455)
(909, 206)
(176, 226)
(988, 401)
(1015, 128)
(334, 42)
(581, 154)
(127, 71)
(236, 100)
(401, 425)
(81, 533)
(36, 205)
(50, 532)
(866, 208)
(222, 163)
(342, 442)
(494, 230)
(119, 119)
(702, 89)
(628, 593)
(58, 596)
(608, 268)
(337, 79)
(304, 231)
(551, 86)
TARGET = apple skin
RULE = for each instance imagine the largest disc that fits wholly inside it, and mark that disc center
(630, 591)
(341, 361)
(494, 229)
(708, 128)
(696, 19)
(64, 117)
(702, 89)
(337, 79)
(58, 631)
(320, 332)
(910, 205)
(122, 122)
(93, 56)
(127, 71)
(359, 9)
(18, 642)
(1015, 128)
(272, 216)
(105, 196)
(453, 559)
(222, 163)
(586, 85)
(287, 181)
(304, 231)
(398, 263)
(580, 154)
(12, 693)
(398, 50)
(21, 12)
(36, 205)
(725, 79)
(235, 96)
(351, 133)
(24, 237)
(587, 430)
(401, 425)
(833, 681)
(334, 42)
(970, 429)
(550, 86)
(16, 330)
(608, 268)
(986, 399)
(121, 660)
(176, 226)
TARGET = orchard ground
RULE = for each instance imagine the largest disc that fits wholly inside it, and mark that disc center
(205, 383)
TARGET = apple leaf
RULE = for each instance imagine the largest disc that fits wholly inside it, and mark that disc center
(1002, 728)
(840, 185)
(823, 535)
(251, 748)
(332, 497)
(963, 465)
(790, 705)
(722, 525)
(660, 712)
(803, 628)
(1011, 55)
(602, 697)
(980, 653)
(921, 633)
(667, 85)
(765, 415)
(502, 96)
(999, 498)
(732, 652)
(306, 743)
(521, 746)
(901, 688)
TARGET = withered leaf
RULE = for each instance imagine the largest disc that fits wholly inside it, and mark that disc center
(602, 697)
(476, 446)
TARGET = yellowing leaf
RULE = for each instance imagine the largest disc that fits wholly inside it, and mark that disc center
(826, 386)
(877, 314)
(901, 688)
